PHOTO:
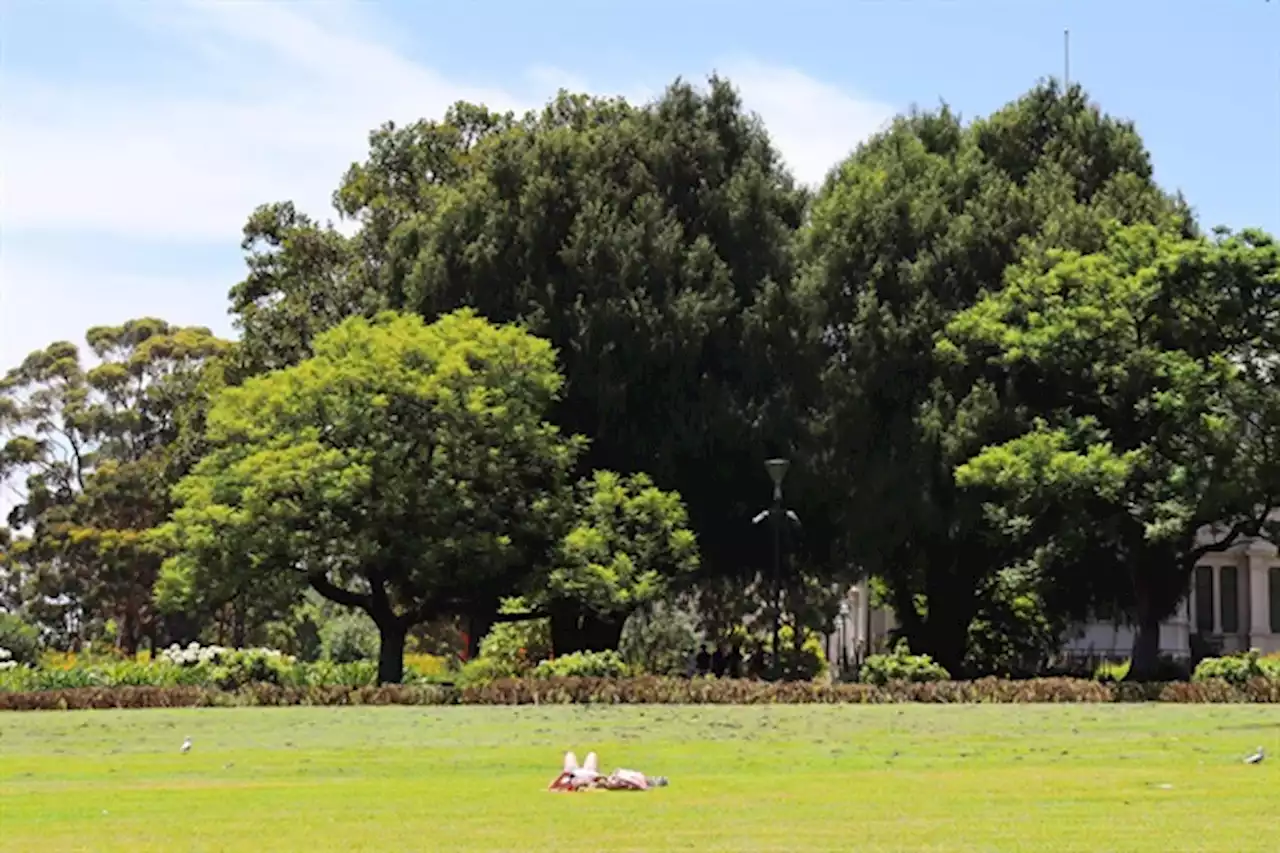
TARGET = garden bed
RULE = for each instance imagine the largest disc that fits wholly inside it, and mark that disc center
(646, 690)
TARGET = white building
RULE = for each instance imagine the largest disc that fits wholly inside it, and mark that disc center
(1233, 605)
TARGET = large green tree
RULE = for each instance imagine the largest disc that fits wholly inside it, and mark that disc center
(1147, 370)
(650, 244)
(93, 451)
(404, 469)
(917, 224)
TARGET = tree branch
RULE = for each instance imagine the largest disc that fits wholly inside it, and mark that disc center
(1244, 527)
(337, 594)
(541, 613)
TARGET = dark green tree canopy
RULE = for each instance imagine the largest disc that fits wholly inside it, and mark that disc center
(650, 244)
(914, 227)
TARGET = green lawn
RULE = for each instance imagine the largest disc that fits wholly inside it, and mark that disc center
(800, 778)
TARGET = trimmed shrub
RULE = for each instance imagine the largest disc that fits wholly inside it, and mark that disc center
(518, 646)
(1110, 672)
(607, 664)
(239, 667)
(648, 690)
(324, 673)
(1167, 669)
(482, 670)
(1237, 669)
(901, 666)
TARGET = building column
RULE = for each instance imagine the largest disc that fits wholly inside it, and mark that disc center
(1260, 555)
(864, 619)
(1217, 600)
(1181, 624)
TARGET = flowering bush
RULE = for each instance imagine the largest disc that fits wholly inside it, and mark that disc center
(6, 659)
(206, 667)
(232, 668)
(195, 654)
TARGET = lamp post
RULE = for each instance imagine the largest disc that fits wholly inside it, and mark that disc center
(777, 469)
(844, 635)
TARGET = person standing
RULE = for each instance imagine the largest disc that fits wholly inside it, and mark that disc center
(733, 662)
(702, 662)
(717, 662)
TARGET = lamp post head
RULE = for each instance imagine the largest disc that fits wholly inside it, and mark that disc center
(777, 469)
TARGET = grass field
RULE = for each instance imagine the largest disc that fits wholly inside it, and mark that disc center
(791, 778)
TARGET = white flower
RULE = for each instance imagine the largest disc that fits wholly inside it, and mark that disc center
(5, 654)
(195, 654)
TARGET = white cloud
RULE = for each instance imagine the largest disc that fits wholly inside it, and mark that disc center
(286, 97)
(814, 124)
(295, 90)
(132, 163)
(61, 299)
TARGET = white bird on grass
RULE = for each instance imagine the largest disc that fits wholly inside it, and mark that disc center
(1257, 757)
(186, 745)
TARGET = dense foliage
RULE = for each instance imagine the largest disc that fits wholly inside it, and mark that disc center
(516, 414)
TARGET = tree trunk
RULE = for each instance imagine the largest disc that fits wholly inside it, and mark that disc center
(391, 651)
(1145, 660)
(945, 632)
(179, 628)
(602, 633)
(574, 629)
(237, 623)
(904, 610)
(478, 627)
(945, 640)
(127, 633)
(564, 629)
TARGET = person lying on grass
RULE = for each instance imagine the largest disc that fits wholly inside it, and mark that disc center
(588, 777)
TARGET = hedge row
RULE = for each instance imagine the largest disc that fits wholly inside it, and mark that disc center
(650, 691)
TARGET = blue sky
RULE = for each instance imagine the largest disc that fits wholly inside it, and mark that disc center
(137, 135)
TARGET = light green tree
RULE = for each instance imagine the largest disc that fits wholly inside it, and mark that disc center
(1146, 371)
(404, 469)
